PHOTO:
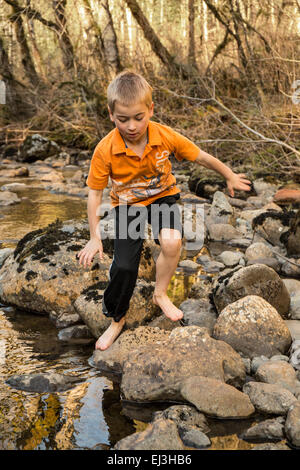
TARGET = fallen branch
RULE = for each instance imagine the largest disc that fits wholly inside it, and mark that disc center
(219, 103)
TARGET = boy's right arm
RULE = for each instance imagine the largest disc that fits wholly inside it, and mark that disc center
(94, 245)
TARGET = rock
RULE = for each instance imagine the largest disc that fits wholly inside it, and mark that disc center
(189, 265)
(264, 188)
(256, 362)
(279, 357)
(4, 253)
(193, 437)
(35, 147)
(53, 177)
(291, 238)
(258, 250)
(269, 398)
(163, 322)
(259, 280)
(292, 425)
(293, 286)
(141, 308)
(291, 268)
(268, 430)
(294, 327)
(65, 320)
(47, 382)
(215, 398)
(271, 262)
(7, 198)
(76, 334)
(235, 202)
(222, 232)
(156, 371)
(43, 274)
(184, 415)
(280, 373)
(271, 225)
(112, 359)
(201, 289)
(247, 363)
(230, 258)
(221, 211)
(162, 434)
(14, 187)
(198, 312)
(241, 243)
(295, 355)
(252, 327)
(209, 265)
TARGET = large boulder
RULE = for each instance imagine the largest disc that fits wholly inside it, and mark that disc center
(256, 279)
(253, 328)
(269, 398)
(215, 398)
(281, 373)
(292, 425)
(43, 273)
(162, 434)
(141, 308)
(157, 371)
(36, 147)
(113, 359)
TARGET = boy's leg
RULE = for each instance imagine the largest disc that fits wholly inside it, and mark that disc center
(166, 224)
(123, 274)
(165, 267)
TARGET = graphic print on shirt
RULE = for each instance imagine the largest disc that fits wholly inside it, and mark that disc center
(146, 186)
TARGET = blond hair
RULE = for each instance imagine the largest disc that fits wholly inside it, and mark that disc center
(129, 88)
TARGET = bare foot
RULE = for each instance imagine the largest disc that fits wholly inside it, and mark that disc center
(109, 336)
(169, 309)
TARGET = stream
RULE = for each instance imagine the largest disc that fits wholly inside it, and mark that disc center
(91, 414)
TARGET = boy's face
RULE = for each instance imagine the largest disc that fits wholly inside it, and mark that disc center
(132, 121)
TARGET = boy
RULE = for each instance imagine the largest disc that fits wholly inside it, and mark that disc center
(135, 156)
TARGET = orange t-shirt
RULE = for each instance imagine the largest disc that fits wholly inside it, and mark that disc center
(138, 180)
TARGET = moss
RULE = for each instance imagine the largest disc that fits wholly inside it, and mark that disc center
(284, 217)
(45, 242)
(30, 275)
(91, 292)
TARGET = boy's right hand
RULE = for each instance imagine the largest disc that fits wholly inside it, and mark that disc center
(86, 255)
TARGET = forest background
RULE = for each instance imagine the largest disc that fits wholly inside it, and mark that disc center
(225, 73)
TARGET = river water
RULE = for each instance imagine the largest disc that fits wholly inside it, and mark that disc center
(90, 415)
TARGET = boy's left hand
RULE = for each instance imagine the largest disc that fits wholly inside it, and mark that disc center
(238, 181)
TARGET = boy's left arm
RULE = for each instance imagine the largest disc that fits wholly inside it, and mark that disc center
(233, 180)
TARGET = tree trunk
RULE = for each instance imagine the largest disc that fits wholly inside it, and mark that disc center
(109, 39)
(158, 48)
(13, 100)
(96, 45)
(192, 54)
(27, 60)
(64, 40)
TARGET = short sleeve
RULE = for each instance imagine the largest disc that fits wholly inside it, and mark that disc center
(99, 171)
(184, 148)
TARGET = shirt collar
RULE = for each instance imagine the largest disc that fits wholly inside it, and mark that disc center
(118, 144)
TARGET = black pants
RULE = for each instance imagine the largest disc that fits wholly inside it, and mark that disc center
(128, 247)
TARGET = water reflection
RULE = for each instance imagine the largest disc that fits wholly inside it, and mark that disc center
(38, 209)
(82, 417)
